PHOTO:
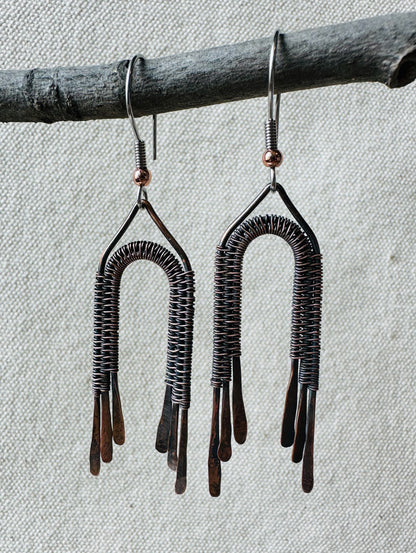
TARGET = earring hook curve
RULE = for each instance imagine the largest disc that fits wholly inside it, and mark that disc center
(128, 96)
(129, 106)
(272, 63)
(272, 157)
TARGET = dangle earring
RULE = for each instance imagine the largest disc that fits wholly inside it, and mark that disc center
(106, 330)
(299, 412)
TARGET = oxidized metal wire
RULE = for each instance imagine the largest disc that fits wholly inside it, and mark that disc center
(178, 369)
(227, 297)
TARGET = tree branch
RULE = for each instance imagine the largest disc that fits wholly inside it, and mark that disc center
(381, 49)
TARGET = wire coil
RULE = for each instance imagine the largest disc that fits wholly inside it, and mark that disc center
(180, 325)
(140, 154)
(271, 134)
(306, 302)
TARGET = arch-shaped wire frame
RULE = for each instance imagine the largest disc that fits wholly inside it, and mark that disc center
(305, 338)
(179, 350)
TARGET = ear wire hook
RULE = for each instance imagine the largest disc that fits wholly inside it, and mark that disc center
(272, 63)
(272, 157)
(141, 177)
(140, 149)
(128, 96)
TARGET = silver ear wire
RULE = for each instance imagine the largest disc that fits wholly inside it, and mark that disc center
(130, 109)
(128, 96)
(272, 157)
(142, 175)
(272, 63)
(154, 136)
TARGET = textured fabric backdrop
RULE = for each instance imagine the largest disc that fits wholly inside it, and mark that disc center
(349, 166)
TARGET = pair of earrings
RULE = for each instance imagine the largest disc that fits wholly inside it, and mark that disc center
(299, 413)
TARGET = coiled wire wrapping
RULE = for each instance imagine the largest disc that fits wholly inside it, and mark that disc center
(179, 349)
(97, 375)
(271, 132)
(306, 302)
(140, 154)
(305, 339)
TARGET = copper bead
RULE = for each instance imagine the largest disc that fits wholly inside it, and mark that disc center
(142, 177)
(272, 158)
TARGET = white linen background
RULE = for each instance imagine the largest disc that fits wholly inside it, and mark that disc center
(350, 168)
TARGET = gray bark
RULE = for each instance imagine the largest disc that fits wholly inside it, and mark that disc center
(380, 49)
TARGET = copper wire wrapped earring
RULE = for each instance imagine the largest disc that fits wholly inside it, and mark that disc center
(107, 429)
(299, 412)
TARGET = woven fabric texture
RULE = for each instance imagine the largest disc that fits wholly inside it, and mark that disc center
(349, 166)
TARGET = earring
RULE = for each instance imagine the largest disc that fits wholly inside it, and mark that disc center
(106, 331)
(299, 412)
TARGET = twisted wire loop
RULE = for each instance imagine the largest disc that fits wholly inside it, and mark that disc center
(179, 347)
(304, 346)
